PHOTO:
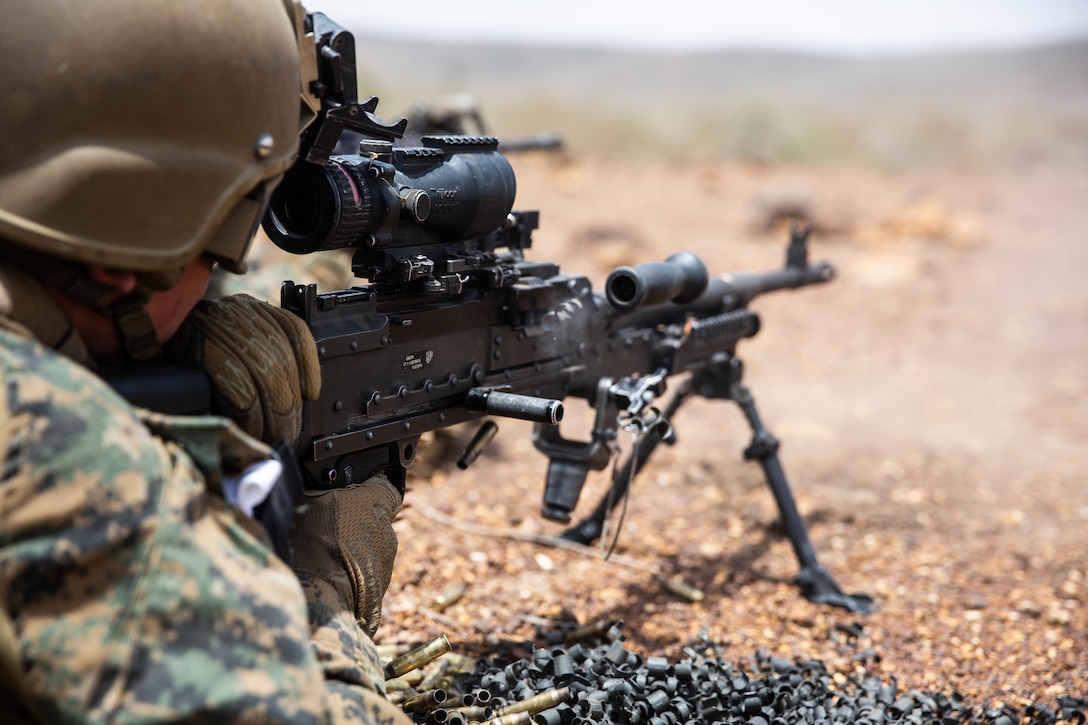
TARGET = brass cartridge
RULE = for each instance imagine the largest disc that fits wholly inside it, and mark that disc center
(536, 703)
(424, 701)
(478, 443)
(434, 675)
(418, 657)
(593, 629)
(517, 718)
(681, 589)
(447, 598)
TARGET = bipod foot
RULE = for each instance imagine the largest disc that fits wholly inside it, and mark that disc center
(819, 587)
(587, 532)
(815, 582)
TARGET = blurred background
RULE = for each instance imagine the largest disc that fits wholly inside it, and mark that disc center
(890, 84)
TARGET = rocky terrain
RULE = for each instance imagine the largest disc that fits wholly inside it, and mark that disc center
(932, 401)
(933, 411)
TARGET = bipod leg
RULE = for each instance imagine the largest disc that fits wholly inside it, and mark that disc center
(815, 582)
(589, 529)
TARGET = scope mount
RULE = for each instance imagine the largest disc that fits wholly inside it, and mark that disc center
(319, 141)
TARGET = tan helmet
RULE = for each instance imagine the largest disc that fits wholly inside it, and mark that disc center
(139, 134)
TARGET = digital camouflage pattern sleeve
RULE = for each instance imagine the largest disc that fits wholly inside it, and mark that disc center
(135, 592)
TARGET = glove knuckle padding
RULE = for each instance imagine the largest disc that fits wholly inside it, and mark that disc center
(262, 361)
(303, 346)
(346, 537)
(232, 379)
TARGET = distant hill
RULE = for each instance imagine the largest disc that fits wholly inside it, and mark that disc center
(967, 108)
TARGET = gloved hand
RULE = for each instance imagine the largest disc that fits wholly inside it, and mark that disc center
(262, 362)
(343, 547)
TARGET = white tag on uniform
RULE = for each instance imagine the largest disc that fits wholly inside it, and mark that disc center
(248, 491)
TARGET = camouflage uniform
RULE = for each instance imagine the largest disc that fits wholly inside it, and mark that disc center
(134, 591)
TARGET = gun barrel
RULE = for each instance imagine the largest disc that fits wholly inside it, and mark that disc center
(743, 287)
(542, 141)
(680, 278)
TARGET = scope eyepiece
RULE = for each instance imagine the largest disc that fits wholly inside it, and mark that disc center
(322, 207)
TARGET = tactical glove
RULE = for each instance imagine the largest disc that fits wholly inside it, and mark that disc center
(344, 545)
(262, 362)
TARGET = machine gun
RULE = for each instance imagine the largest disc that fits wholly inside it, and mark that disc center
(456, 322)
(460, 114)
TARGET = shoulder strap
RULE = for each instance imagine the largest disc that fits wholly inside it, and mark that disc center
(27, 309)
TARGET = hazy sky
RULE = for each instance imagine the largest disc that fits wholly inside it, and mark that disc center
(846, 26)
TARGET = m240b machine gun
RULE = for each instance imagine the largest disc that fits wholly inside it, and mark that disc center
(456, 323)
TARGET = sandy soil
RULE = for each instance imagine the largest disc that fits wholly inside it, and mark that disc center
(933, 409)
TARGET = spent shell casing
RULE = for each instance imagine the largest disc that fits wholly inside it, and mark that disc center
(593, 629)
(410, 679)
(424, 701)
(437, 717)
(464, 699)
(536, 703)
(447, 598)
(434, 674)
(462, 663)
(681, 589)
(418, 657)
(598, 628)
(517, 718)
(478, 443)
(397, 684)
(475, 713)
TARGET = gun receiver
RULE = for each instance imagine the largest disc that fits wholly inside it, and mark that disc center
(514, 340)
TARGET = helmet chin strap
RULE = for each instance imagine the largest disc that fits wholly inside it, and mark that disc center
(135, 328)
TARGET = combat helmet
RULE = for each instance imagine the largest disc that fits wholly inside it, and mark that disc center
(139, 134)
(136, 131)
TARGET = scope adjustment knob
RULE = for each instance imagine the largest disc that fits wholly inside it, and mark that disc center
(417, 205)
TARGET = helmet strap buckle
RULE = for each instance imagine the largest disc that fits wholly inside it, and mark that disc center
(136, 330)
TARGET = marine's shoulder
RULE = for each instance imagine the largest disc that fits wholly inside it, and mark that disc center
(31, 371)
(55, 412)
(23, 354)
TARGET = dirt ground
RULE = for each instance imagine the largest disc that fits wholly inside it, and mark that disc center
(932, 405)
(933, 409)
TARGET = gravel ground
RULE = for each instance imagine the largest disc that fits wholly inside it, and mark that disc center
(933, 409)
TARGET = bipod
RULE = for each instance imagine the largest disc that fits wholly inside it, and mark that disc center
(589, 529)
(724, 383)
